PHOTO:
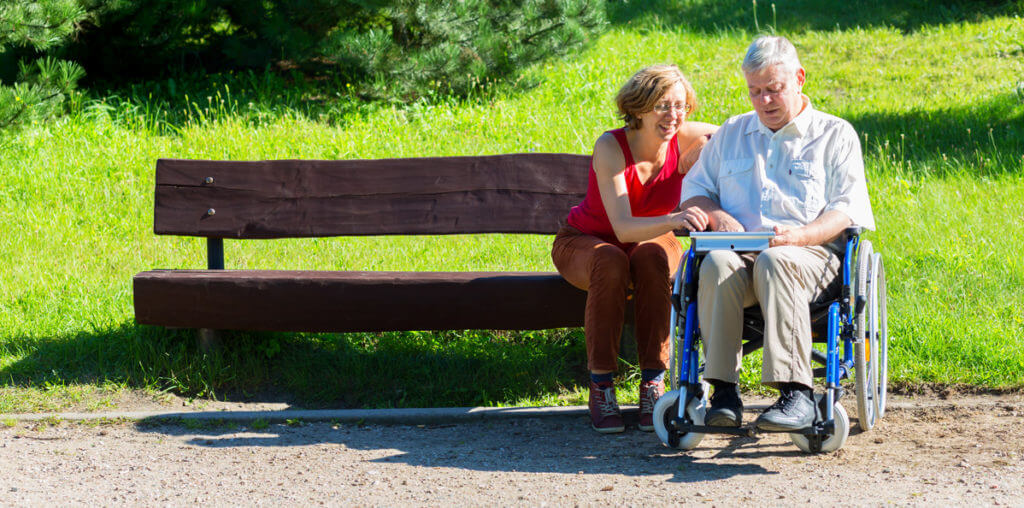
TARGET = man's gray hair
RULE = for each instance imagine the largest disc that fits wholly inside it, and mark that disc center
(769, 50)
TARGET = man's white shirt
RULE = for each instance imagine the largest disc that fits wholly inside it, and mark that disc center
(789, 177)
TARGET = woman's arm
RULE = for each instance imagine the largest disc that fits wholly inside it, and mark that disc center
(609, 168)
(692, 137)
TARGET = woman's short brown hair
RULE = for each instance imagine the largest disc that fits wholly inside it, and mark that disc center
(645, 89)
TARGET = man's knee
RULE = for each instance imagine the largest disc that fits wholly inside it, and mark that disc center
(720, 266)
(773, 263)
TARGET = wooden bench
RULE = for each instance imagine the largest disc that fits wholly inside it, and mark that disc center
(519, 193)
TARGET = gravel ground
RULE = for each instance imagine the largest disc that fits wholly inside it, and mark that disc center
(927, 451)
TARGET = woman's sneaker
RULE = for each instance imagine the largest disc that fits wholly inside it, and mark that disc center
(605, 416)
(650, 392)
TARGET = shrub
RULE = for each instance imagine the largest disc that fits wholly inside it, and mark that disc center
(399, 49)
(42, 83)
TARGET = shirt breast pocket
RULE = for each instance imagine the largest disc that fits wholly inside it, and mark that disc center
(735, 182)
(806, 184)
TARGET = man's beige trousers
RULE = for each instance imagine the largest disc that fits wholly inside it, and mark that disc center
(784, 280)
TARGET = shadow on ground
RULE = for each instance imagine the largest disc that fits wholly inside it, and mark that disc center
(365, 370)
(553, 445)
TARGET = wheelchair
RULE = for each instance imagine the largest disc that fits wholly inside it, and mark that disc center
(853, 314)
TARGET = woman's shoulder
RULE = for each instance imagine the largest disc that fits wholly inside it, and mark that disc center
(608, 151)
(607, 142)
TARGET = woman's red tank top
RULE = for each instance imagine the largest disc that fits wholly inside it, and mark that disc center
(659, 196)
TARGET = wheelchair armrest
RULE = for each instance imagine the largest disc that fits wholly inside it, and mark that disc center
(853, 231)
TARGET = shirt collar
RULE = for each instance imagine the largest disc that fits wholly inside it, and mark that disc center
(802, 122)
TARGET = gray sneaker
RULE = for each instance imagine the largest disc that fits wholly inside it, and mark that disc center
(794, 410)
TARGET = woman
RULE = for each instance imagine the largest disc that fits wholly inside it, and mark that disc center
(621, 235)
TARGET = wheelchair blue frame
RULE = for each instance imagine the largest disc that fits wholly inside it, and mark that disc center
(841, 315)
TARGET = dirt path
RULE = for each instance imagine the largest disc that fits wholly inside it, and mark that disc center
(926, 451)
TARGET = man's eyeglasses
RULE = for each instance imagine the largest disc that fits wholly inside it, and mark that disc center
(664, 107)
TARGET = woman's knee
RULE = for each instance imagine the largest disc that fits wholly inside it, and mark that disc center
(650, 258)
(609, 263)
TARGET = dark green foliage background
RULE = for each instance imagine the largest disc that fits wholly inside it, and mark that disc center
(395, 49)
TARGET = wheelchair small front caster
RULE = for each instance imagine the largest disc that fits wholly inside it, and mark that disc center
(666, 409)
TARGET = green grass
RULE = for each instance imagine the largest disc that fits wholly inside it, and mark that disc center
(934, 89)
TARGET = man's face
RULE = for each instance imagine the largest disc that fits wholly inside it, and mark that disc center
(775, 94)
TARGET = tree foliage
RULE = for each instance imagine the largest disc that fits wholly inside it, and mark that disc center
(42, 83)
(393, 48)
(455, 47)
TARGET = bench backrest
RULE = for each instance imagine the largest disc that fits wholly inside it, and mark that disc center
(517, 193)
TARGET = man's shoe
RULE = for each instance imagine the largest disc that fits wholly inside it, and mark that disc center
(604, 410)
(794, 410)
(650, 392)
(726, 407)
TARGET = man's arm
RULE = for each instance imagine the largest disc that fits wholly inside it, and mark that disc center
(827, 227)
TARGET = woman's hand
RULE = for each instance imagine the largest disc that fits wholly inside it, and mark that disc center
(700, 133)
(689, 158)
(693, 219)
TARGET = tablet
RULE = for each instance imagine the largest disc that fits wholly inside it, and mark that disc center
(744, 241)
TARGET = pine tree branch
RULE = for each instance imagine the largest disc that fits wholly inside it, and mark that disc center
(14, 117)
(24, 107)
(43, 27)
(543, 31)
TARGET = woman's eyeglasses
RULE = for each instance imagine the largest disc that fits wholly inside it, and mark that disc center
(664, 107)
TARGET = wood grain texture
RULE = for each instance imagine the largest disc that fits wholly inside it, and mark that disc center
(516, 193)
(327, 301)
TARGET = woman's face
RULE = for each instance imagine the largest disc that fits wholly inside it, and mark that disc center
(668, 114)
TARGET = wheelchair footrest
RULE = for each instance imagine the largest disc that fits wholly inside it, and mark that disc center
(705, 429)
(817, 429)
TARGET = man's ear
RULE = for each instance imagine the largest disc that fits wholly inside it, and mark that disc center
(800, 76)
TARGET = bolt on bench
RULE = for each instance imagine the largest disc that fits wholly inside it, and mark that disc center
(518, 193)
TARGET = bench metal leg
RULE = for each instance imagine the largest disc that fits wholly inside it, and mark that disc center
(208, 340)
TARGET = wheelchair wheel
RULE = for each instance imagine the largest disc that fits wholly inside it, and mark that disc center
(840, 432)
(865, 351)
(666, 409)
(878, 330)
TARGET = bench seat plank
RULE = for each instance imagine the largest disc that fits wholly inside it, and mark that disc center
(342, 301)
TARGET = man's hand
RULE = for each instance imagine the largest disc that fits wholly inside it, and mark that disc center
(824, 229)
(789, 235)
(726, 223)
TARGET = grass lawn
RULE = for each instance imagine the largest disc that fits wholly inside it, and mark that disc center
(934, 89)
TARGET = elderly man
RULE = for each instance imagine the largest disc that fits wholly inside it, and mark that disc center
(788, 168)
